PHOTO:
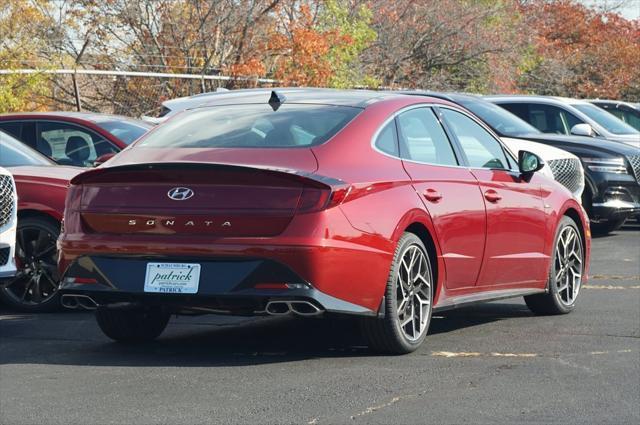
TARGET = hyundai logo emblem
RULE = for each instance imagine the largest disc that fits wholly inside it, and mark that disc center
(180, 193)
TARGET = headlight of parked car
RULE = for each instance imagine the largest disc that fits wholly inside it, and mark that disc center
(606, 165)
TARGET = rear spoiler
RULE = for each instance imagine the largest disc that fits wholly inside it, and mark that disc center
(106, 174)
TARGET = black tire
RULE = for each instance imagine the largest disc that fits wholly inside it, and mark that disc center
(552, 302)
(132, 326)
(385, 335)
(606, 227)
(35, 287)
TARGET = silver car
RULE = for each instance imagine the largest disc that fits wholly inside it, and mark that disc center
(561, 115)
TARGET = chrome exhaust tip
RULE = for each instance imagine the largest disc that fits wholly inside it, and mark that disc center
(305, 308)
(78, 301)
(69, 301)
(278, 308)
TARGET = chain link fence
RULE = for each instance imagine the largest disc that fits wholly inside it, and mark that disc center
(131, 94)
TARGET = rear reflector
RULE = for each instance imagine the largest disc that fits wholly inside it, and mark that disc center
(80, 280)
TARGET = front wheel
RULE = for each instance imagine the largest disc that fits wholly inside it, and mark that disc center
(408, 301)
(565, 276)
(34, 288)
(132, 325)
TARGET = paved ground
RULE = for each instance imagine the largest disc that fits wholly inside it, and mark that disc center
(494, 363)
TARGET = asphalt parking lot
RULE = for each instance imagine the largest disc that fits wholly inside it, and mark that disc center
(492, 363)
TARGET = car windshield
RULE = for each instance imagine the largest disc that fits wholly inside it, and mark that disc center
(502, 121)
(252, 126)
(608, 121)
(14, 153)
(126, 131)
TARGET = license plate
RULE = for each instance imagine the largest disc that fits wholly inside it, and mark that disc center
(172, 278)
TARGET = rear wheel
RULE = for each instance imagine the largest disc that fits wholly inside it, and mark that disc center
(34, 288)
(132, 325)
(565, 276)
(408, 301)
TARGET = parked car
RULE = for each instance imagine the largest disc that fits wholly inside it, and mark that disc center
(612, 169)
(80, 139)
(379, 205)
(8, 220)
(560, 165)
(627, 112)
(559, 115)
(41, 187)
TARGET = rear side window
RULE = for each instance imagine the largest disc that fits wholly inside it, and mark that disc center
(252, 126)
(422, 138)
(12, 128)
(387, 140)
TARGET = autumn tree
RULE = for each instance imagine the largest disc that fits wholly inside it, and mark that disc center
(581, 52)
(445, 44)
(23, 30)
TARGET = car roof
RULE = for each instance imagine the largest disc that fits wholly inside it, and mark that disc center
(320, 96)
(92, 117)
(541, 99)
(615, 103)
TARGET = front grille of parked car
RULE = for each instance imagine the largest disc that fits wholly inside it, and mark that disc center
(635, 164)
(7, 199)
(4, 256)
(566, 171)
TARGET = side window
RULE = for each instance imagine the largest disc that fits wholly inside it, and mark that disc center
(12, 128)
(551, 119)
(423, 139)
(480, 147)
(71, 144)
(387, 140)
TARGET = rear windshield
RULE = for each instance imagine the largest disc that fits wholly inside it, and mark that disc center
(14, 153)
(252, 126)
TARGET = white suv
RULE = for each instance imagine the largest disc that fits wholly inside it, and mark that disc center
(8, 224)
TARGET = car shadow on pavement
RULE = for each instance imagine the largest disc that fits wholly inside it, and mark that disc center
(209, 341)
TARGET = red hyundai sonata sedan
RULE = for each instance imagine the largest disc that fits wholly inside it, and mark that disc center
(309, 202)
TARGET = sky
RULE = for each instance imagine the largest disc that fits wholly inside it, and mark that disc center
(630, 9)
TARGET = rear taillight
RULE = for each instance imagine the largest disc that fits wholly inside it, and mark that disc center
(314, 199)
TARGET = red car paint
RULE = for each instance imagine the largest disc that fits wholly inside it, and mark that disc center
(42, 189)
(491, 231)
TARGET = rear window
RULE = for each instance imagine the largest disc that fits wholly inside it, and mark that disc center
(252, 126)
(14, 153)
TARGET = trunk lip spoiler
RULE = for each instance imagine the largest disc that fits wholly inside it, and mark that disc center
(304, 176)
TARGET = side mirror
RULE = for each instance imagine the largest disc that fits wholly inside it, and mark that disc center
(583, 130)
(103, 158)
(529, 163)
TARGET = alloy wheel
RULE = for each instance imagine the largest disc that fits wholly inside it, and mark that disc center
(413, 292)
(36, 280)
(568, 265)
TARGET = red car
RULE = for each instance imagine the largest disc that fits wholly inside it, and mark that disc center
(73, 138)
(42, 187)
(379, 205)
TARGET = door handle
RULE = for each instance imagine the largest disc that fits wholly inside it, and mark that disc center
(492, 196)
(432, 195)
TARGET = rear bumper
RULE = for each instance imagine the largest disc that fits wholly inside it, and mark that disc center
(227, 285)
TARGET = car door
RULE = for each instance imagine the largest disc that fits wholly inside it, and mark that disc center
(71, 144)
(449, 192)
(516, 220)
